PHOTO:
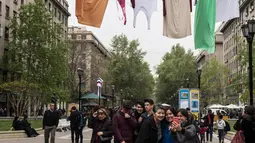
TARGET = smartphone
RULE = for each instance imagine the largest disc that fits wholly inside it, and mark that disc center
(176, 120)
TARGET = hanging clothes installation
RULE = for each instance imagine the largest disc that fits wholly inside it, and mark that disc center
(147, 6)
(90, 12)
(204, 25)
(123, 7)
(226, 10)
(177, 19)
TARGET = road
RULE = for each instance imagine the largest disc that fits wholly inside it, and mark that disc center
(65, 137)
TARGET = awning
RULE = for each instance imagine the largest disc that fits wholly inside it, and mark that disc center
(91, 96)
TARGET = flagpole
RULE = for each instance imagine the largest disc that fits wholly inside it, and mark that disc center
(98, 92)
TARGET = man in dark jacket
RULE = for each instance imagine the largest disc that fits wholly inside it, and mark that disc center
(209, 119)
(50, 123)
(75, 124)
(124, 125)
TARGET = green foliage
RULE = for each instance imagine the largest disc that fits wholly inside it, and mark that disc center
(177, 66)
(128, 71)
(241, 80)
(37, 52)
(214, 80)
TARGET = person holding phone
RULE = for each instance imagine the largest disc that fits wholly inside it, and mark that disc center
(170, 117)
(184, 131)
(102, 127)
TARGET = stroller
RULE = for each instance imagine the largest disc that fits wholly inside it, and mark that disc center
(203, 128)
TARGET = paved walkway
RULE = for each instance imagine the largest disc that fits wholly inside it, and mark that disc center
(65, 137)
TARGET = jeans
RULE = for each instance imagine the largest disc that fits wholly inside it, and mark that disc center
(74, 130)
(49, 132)
(209, 131)
(80, 134)
(221, 134)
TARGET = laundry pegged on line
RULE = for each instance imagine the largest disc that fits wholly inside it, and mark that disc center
(177, 19)
(147, 6)
(122, 4)
(90, 12)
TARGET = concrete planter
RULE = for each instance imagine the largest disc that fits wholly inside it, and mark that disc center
(16, 134)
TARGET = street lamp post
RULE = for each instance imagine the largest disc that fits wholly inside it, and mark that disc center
(80, 74)
(187, 82)
(113, 92)
(248, 32)
(199, 71)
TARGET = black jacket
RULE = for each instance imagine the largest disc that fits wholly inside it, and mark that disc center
(74, 119)
(104, 126)
(207, 120)
(50, 118)
(248, 127)
(149, 132)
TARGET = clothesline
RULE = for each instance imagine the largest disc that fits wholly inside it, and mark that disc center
(176, 16)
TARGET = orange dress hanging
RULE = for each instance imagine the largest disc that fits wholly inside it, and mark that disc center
(90, 12)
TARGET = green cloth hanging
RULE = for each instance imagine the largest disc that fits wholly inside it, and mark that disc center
(204, 25)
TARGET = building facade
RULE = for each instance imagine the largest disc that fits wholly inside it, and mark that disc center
(232, 43)
(92, 57)
(8, 9)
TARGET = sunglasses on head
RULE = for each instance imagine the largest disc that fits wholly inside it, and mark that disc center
(100, 113)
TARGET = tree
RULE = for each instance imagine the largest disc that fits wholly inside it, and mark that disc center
(37, 55)
(128, 71)
(177, 66)
(241, 79)
(214, 80)
(77, 58)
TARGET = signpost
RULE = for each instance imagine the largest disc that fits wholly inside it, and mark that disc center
(99, 87)
(189, 98)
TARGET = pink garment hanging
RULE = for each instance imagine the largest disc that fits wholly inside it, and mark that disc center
(123, 7)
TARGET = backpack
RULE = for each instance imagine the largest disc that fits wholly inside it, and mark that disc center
(227, 127)
(80, 120)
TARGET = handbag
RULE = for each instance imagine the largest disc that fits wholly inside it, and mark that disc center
(238, 138)
(105, 138)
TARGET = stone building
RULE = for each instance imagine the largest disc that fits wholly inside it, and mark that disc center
(232, 34)
(92, 57)
(8, 9)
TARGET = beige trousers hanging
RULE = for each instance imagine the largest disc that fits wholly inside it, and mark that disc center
(177, 21)
(90, 12)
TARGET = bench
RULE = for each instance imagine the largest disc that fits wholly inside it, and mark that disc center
(16, 134)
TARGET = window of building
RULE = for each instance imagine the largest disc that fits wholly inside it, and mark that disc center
(73, 36)
(251, 6)
(63, 19)
(55, 11)
(247, 11)
(22, 2)
(59, 15)
(15, 1)
(7, 12)
(6, 33)
(15, 14)
(49, 6)
(66, 21)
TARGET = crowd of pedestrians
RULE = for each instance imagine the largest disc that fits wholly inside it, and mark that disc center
(148, 123)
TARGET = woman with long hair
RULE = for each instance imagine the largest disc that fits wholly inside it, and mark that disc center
(170, 115)
(152, 128)
(102, 127)
(184, 130)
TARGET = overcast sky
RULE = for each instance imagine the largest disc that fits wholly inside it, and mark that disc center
(152, 41)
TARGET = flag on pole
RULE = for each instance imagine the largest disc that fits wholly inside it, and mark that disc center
(100, 82)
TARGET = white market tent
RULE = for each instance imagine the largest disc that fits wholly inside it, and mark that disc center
(233, 106)
(167, 105)
(216, 106)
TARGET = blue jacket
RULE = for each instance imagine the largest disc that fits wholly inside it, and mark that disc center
(167, 136)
